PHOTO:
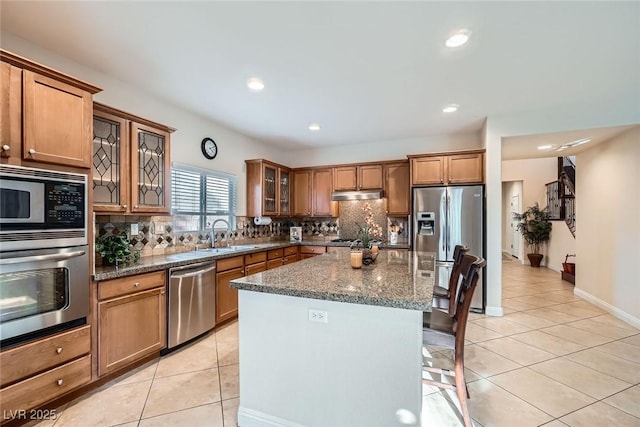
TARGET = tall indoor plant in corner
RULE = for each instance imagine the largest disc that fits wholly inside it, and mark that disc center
(536, 229)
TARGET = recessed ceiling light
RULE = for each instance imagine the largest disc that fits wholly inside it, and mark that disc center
(579, 142)
(545, 147)
(314, 127)
(255, 84)
(451, 108)
(458, 38)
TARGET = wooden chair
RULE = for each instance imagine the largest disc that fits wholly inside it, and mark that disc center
(444, 298)
(441, 329)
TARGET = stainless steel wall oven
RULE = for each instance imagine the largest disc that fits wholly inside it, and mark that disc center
(44, 255)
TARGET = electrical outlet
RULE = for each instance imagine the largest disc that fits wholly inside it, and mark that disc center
(134, 229)
(318, 316)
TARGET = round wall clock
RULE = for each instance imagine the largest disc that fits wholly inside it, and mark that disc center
(209, 148)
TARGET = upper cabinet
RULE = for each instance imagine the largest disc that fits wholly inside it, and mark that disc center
(365, 177)
(455, 168)
(268, 188)
(131, 163)
(46, 115)
(312, 193)
(397, 188)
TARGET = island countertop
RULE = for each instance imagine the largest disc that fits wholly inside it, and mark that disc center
(398, 279)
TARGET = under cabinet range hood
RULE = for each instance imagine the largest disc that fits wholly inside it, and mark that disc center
(357, 195)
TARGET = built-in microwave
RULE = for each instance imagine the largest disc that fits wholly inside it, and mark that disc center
(41, 208)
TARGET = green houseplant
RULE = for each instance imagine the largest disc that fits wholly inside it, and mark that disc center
(115, 249)
(535, 228)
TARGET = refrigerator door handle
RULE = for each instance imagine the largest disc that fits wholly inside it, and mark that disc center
(449, 224)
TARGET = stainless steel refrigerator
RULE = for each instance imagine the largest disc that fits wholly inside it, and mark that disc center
(444, 217)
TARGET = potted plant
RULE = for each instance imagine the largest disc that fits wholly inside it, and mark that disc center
(536, 229)
(115, 249)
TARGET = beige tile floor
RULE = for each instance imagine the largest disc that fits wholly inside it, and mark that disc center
(552, 360)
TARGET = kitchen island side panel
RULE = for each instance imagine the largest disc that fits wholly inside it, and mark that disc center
(361, 368)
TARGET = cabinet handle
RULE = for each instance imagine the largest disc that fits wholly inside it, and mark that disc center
(32, 151)
(59, 350)
(135, 285)
(124, 207)
(60, 382)
(161, 292)
(135, 206)
(5, 147)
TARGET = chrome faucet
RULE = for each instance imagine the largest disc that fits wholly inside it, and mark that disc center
(213, 232)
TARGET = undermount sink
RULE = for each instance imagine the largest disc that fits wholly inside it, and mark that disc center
(225, 249)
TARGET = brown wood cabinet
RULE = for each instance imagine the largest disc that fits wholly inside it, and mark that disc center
(268, 188)
(451, 168)
(10, 113)
(311, 251)
(365, 177)
(321, 192)
(227, 269)
(302, 192)
(45, 369)
(397, 188)
(132, 323)
(46, 115)
(131, 163)
(47, 386)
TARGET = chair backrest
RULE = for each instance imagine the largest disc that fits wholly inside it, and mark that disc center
(469, 271)
(458, 253)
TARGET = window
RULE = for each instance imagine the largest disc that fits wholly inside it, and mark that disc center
(200, 196)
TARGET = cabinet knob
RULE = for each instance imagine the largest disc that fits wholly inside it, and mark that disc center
(124, 207)
(32, 151)
(161, 292)
(5, 147)
(59, 350)
(60, 382)
(136, 284)
(135, 206)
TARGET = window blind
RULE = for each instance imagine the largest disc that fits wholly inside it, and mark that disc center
(199, 196)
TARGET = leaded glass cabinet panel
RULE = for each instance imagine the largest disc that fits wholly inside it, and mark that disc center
(285, 192)
(270, 189)
(109, 165)
(150, 172)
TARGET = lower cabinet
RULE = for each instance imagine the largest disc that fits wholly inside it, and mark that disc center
(227, 269)
(311, 251)
(132, 323)
(43, 370)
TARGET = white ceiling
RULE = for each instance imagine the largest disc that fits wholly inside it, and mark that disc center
(365, 71)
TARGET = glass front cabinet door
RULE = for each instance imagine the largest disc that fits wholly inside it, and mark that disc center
(150, 173)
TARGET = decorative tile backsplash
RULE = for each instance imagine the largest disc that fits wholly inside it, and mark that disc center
(156, 235)
(352, 217)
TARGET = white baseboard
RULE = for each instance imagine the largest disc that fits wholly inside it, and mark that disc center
(251, 418)
(494, 311)
(622, 315)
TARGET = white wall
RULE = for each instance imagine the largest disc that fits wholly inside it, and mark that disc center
(233, 147)
(509, 190)
(534, 174)
(382, 150)
(608, 224)
(592, 113)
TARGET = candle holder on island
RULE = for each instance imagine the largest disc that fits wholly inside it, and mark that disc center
(356, 258)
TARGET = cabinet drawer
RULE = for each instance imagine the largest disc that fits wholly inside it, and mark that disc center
(229, 263)
(290, 250)
(127, 285)
(274, 263)
(313, 249)
(290, 259)
(47, 386)
(254, 258)
(26, 360)
(275, 253)
(255, 268)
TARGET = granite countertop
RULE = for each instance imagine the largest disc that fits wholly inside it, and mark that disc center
(398, 279)
(161, 262)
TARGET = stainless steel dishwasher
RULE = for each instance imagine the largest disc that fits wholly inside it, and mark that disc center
(191, 302)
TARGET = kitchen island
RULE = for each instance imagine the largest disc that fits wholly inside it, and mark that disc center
(322, 344)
